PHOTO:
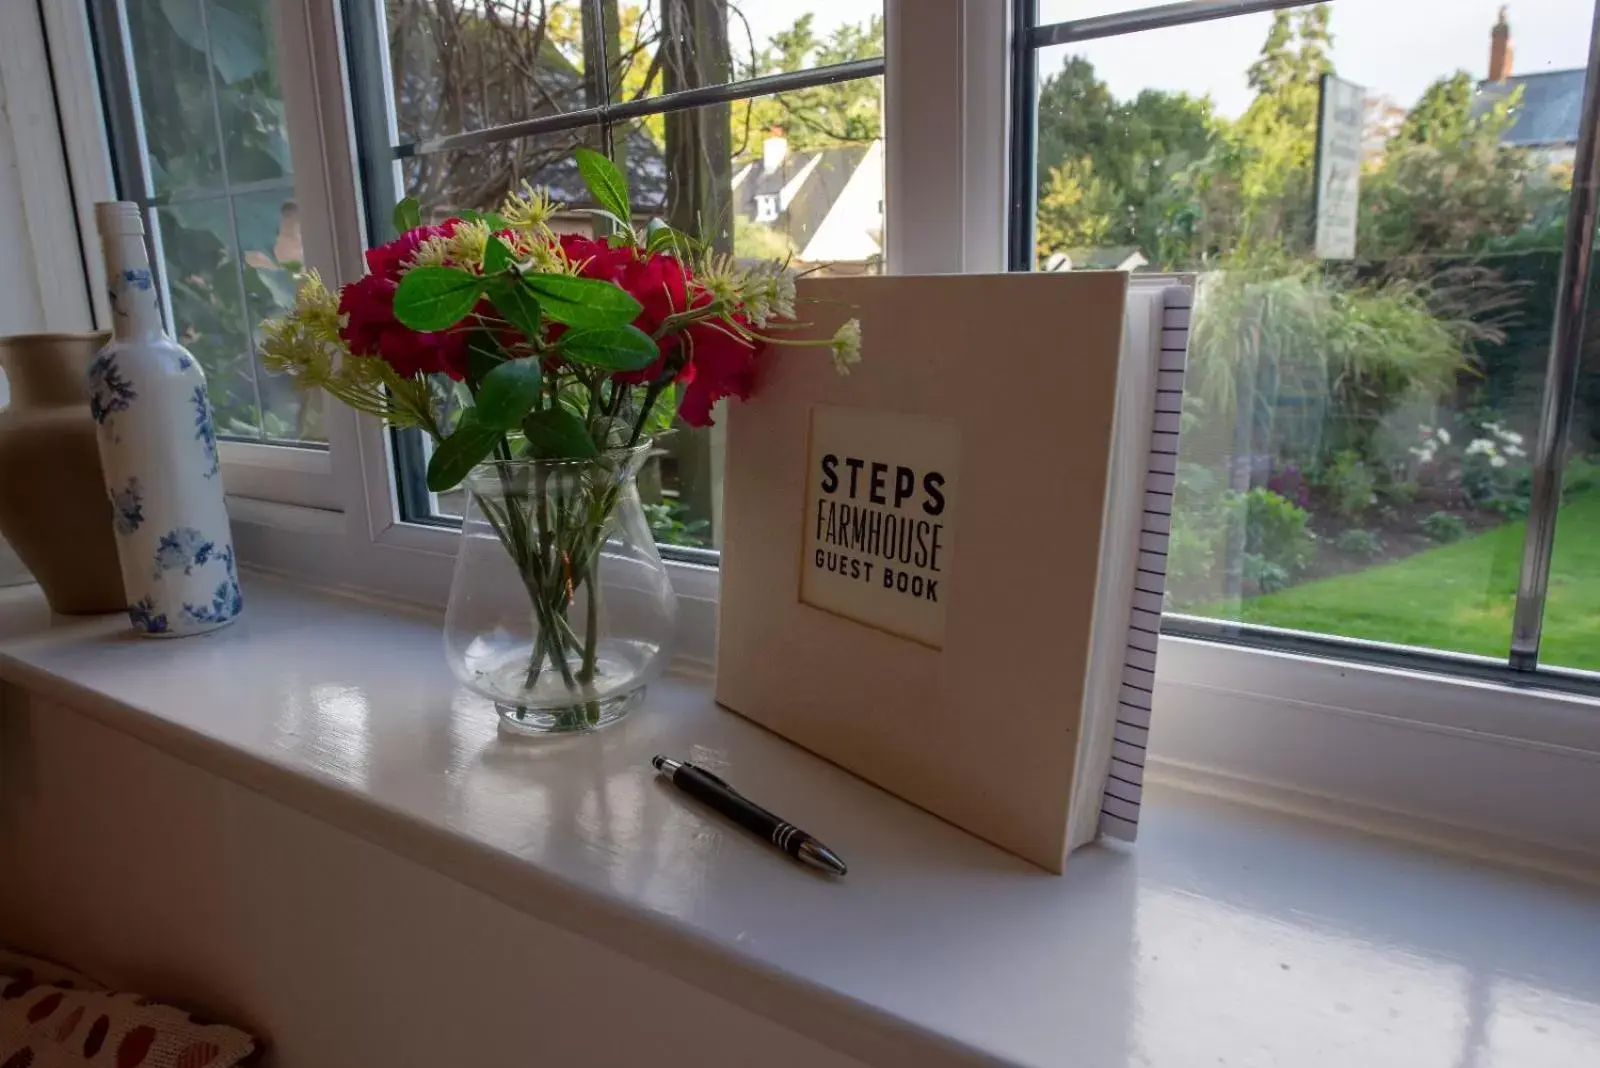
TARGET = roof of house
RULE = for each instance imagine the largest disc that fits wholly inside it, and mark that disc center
(1104, 258)
(813, 181)
(1548, 114)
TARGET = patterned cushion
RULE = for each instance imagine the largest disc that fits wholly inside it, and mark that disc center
(52, 1017)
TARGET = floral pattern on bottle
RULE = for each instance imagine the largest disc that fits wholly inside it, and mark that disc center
(109, 391)
(144, 616)
(127, 507)
(205, 431)
(184, 548)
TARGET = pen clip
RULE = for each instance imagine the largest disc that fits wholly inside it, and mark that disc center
(714, 778)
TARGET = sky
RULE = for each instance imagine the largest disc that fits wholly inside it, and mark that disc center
(1393, 48)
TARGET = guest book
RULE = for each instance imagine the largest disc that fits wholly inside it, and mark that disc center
(944, 570)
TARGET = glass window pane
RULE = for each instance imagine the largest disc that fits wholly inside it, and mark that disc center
(1571, 634)
(470, 66)
(176, 109)
(672, 45)
(217, 172)
(1354, 451)
(478, 179)
(765, 178)
(1052, 11)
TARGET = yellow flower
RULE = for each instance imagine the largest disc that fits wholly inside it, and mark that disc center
(462, 248)
(528, 210)
(721, 277)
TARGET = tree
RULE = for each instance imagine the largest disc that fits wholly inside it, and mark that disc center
(1077, 209)
(1446, 184)
(1105, 165)
(822, 116)
(1442, 115)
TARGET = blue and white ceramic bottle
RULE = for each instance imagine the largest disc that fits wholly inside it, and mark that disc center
(158, 447)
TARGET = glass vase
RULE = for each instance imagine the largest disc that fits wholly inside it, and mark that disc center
(560, 609)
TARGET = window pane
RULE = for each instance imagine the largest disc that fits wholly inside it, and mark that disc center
(792, 184)
(672, 45)
(479, 178)
(217, 173)
(1052, 11)
(459, 66)
(1571, 635)
(1354, 451)
(469, 66)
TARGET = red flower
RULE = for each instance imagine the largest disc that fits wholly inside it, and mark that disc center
(724, 365)
(371, 329)
(389, 261)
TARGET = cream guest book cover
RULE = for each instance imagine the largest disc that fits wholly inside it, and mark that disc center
(911, 553)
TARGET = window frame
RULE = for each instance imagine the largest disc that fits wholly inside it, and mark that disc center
(253, 471)
(1284, 728)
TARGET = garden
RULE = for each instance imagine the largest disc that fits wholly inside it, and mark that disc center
(1354, 457)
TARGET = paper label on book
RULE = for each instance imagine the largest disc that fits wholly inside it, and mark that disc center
(882, 492)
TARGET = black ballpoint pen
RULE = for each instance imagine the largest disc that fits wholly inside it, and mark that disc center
(706, 788)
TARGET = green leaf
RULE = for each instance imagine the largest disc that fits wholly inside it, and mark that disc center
(620, 232)
(508, 393)
(436, 298)
(459, 453)
(660, 418)
(407, 215)
(614, 348)
(583, 302)
(659, 236)
(516, 304)
(605, 182)
(556, 433)
(496, 256)
(484, 354)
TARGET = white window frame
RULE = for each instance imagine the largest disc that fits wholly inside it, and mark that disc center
(251, 471)
(1468, 764)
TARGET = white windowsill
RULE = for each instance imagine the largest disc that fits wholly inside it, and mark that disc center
(1228, 932)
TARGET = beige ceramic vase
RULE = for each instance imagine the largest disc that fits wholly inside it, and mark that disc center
(53, 506)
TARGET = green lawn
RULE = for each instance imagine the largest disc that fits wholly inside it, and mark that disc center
(1457, 597)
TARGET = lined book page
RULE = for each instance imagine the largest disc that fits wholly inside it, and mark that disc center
(1119, 805)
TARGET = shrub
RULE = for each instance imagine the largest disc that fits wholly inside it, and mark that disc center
(670, 524)
(1267, 576)
(1275, 529)
(1581, 476)
(1444, 527)
(1359, 542)
(1349, 483)
(1340, 353)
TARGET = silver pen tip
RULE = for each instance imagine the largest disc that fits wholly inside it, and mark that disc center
(814, 854)
(665, 764)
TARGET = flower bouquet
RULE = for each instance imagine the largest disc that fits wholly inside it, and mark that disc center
(541, 366)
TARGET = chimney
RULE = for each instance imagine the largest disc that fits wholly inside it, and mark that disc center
(1500, 49)
(774, 150)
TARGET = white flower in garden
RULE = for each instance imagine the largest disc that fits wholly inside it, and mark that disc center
(1498, 461)
(1511, 436)
(1480, 446)
(846, 346)
(1512, 450)
(1444, 436)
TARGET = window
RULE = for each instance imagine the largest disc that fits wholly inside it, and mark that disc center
(778, 151)
(1373, 200)
(198, 136)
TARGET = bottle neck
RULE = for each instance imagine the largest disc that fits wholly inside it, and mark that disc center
(134, 311)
